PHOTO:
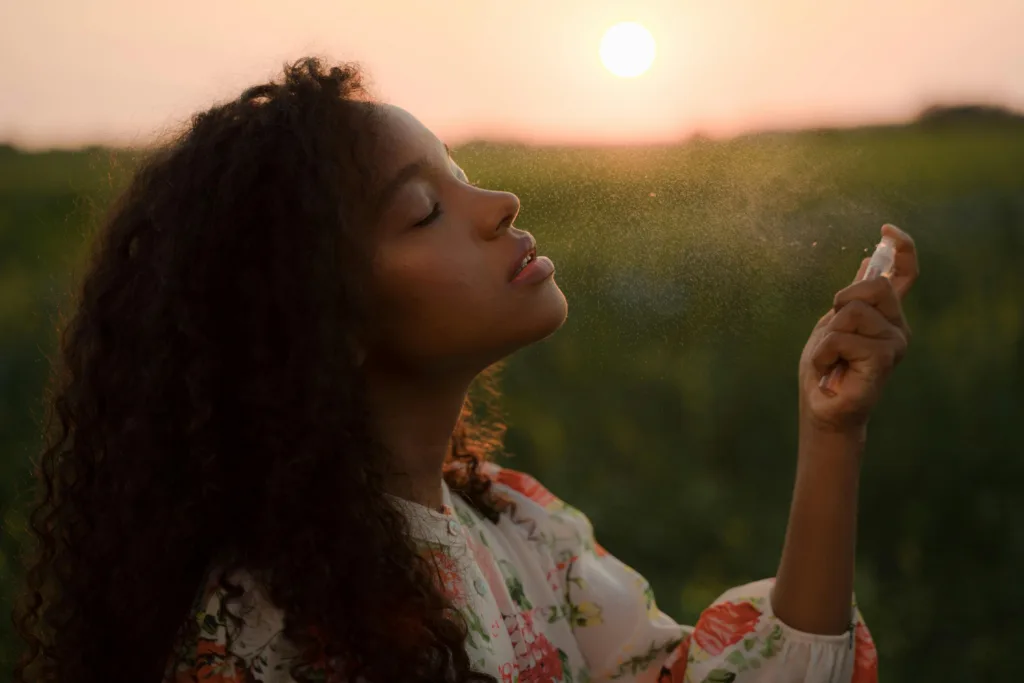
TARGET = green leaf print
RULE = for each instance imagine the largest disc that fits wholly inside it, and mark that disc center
(465, 517)
(736, 659)
(476, 625)
(773, 644)
(749, 644)
(514, 585)
(209, 623)
(552, 613)
(638, 663)
(566, 669)
(312, 673)
(648, 597)
(720, 676)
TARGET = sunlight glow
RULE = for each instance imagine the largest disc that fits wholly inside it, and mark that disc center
(627, 49)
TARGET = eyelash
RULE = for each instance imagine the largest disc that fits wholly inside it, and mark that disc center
(436, 211)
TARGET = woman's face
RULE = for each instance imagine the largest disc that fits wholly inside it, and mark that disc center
(444, 299)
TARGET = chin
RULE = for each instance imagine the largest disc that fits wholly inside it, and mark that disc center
(547, 314)
(544, 316)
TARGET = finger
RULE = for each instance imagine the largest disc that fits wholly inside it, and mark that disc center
(824, 320)
(862, 318)
(878, 292)
(906, 267)
(854, 348)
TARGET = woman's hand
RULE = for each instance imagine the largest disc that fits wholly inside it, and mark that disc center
(867, 335)
(866, 331)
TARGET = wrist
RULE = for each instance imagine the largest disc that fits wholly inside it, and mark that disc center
(827, 441)
(811, 425)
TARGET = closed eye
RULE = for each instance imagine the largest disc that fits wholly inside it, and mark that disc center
(430, 218)
(435, 212)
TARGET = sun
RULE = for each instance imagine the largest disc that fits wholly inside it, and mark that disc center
(627, 49)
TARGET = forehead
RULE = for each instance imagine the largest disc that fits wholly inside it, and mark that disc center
(404, 139)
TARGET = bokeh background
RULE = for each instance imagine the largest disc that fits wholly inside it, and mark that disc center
(700, 216)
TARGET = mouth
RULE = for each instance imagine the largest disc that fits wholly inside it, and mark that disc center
(526, 255)
(525, 262)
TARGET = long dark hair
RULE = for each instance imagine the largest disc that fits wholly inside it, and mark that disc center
(207, 403)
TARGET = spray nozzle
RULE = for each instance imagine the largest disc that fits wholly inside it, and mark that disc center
(883, 260)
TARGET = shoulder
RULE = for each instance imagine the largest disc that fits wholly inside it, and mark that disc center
(233, 633)
(533, 504)
(521, 486)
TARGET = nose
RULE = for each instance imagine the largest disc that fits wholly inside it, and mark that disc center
(502, 209)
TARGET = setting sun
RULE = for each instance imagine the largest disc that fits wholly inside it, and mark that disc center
(627, 49)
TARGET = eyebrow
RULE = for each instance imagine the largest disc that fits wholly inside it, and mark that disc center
(407, 173)
(404, 175)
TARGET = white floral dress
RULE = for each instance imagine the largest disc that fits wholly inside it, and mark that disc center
(546, 604)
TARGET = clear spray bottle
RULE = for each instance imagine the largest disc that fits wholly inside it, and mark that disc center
(881, 265)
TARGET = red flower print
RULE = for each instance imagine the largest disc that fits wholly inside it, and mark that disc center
(448, 575)
(509, 672)
(674, 670)
(865, 663)
(545, 666)
(219, 671)
(599, 549)
(527, 618)
(539, 660)
(725, 624)
(210, 647)
(552, 577)
(526, 485)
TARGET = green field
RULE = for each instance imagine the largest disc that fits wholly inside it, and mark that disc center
(666, 407)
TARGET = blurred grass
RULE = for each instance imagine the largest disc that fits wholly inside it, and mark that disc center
(665, 408)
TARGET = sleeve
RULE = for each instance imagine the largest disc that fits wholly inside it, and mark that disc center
(236, 639)
(625, 637)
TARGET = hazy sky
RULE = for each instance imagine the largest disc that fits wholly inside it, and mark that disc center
(82, 71)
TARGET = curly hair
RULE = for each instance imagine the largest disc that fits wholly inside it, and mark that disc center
(207, 402)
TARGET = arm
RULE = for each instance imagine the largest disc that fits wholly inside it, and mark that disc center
(865, 331)
(814, 582)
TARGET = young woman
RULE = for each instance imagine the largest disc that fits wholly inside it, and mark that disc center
(263, 464)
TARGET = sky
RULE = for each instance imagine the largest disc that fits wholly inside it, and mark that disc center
(75, 72)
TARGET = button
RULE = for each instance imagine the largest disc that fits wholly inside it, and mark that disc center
(451, 527)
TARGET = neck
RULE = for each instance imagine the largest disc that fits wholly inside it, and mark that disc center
(414, 417)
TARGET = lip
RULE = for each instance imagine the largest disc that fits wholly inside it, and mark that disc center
(527, 246)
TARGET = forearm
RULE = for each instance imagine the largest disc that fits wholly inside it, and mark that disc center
(814, 584)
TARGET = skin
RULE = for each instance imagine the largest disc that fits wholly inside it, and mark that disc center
(866, 328)
(444, 311)
(444, 307)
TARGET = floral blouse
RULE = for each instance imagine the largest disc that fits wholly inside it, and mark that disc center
(546, 604)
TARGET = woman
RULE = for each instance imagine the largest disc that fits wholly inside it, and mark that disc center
(264, 465)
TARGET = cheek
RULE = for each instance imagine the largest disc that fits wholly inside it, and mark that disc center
(424, 293)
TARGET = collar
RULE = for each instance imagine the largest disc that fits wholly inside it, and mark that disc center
(427, 524)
